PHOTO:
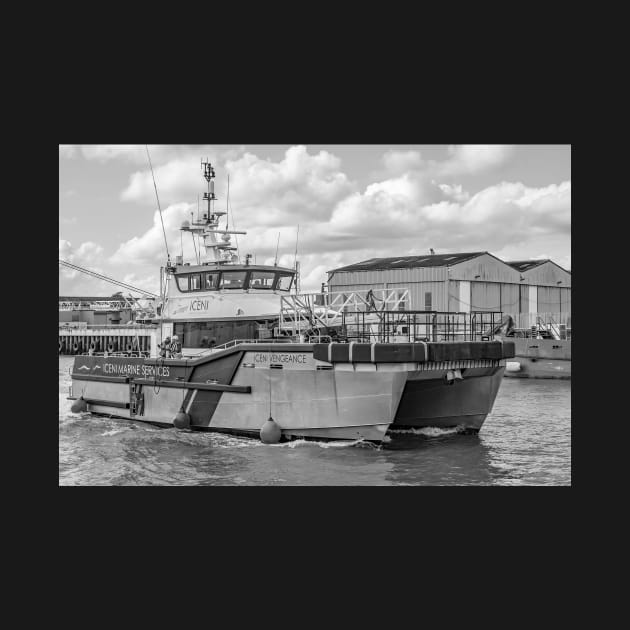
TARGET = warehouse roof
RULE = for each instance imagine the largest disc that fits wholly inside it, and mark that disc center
(526, 265)
(409, 262)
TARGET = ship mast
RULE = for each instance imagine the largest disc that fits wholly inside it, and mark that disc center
(218, 252)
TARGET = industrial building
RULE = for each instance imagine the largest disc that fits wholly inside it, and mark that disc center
(102, 311)
(467, 282)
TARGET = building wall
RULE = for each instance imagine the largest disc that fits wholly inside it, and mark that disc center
(510, 298)
(417, 292)
(499, 287)
(375, 279)
(96, 317)
(485, 296)
(548, 300)
(547, 274)
(487, 267)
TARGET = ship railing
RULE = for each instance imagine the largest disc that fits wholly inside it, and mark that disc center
(302, 312)
(236, 342)
(129, 326)
(226, 345)
(414, 326)
(130, 353)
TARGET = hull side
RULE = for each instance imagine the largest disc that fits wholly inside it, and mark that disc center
(431, 402)
(305, 401)
(330, 404)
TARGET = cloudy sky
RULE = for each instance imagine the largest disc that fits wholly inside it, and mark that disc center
(352, 202)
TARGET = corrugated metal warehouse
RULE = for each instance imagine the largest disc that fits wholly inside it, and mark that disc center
(476, 281)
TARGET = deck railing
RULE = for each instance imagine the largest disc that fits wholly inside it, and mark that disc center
(413, 326)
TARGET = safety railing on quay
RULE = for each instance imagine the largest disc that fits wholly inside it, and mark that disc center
(413, 326)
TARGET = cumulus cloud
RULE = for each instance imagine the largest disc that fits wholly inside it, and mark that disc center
(176, 181)
(178, 175)
(372, 224)
(455, 192)
(300, 186)
(149, 249)
(415, 205)
(88, 255)
(148, 282)
(471, 158)
(398, 162)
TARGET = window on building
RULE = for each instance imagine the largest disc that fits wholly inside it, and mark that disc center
(284, 281)
(427, 301)
(232, 279)
(182, 283)
(261, 279)
(210, 280)
(195, 281)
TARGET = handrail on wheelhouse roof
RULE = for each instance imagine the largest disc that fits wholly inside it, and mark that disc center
(181, 269)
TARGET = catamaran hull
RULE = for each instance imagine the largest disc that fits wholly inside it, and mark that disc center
(236, 391)
(436, 402)
(312, 391)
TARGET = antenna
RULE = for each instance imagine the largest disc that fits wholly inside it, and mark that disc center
(208, 173)
(192, 234)
(227, 201)
(297, 235)
(275, 262)
(297, 276)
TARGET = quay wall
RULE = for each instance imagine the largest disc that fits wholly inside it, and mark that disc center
(108, 339)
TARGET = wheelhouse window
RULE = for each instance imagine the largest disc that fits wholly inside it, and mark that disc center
(233, 279)
(210, 280)
(182, 283)
(261, 279)
(284, 281)
(195, 282)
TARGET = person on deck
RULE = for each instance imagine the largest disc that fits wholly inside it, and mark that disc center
(164, 348)
(176, 348)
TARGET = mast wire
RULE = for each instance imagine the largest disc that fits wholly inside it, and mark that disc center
(158, 202)
(99, 276)
(231, 207)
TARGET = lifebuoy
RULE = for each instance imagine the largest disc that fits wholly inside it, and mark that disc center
(110, 347)
(92, 345)
(129, 346)
(75, 347)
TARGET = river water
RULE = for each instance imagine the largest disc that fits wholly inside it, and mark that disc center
(526, 440)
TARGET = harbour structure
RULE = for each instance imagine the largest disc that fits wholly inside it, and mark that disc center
(243, 361)
(534, 294)
(105, 310)
(114, 324)
(542, 335)
(466, 282)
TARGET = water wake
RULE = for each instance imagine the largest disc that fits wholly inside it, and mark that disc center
(361, 443)
(426, 431)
